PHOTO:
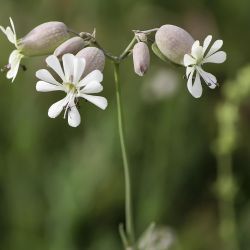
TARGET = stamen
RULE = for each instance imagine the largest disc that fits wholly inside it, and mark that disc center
(69, 99)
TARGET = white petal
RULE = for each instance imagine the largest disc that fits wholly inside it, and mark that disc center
(68, 66)
(74, 118)
(99, 101)
(206, 43)
(14, 30)
(195, 88)
(92, 87)
(44, 75)
(79, 66)
(10, 35)
(189, 60)
(14, 61)
(197, 53)
(195, 45)
(42, 86)
(95, 75)
(209, 78)
(13, 56)
(56, 108)
(215, 47)
(218, 57)
(54, 63)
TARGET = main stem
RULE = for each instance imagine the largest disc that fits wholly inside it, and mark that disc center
(128, 199)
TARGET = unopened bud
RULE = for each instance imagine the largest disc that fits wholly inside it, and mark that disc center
(72, 46)
(95, 59)
(174, 42)
(141, 58)
(43, 39)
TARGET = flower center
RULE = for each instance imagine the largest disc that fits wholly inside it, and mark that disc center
(70, 87)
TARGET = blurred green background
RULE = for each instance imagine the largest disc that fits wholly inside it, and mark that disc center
(62, 188)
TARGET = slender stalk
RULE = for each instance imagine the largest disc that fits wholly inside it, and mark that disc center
(126, 52)
(146, 32)
(128, 199)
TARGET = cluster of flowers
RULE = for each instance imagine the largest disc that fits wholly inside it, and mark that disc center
(176, 45)
(79, 67)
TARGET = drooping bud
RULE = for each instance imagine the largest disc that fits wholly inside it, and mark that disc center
(141, 58)
(95, 59)
(72, 46)
(43, 39)
(174, 42)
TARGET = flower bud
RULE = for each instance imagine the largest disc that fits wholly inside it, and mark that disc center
(174, 42)
(72, 46)
(141, 58)
(95, 59)
(43, 39)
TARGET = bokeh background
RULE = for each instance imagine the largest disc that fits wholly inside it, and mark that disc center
(63, 189)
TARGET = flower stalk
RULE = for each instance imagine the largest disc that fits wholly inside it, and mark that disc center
(128, 197)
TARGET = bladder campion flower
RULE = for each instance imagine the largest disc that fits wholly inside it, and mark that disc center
(42, 40)
(194, 61)
(73, 84)
(16, 56)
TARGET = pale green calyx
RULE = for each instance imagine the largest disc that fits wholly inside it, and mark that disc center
(72, 46)
(95, 59)
(43, 39)
(174, 42)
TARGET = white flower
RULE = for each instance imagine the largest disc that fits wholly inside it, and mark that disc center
(72, 84)
(16, 55)
(197, 58)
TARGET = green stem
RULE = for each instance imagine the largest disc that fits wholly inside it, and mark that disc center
(128, 49)
(128, 198)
